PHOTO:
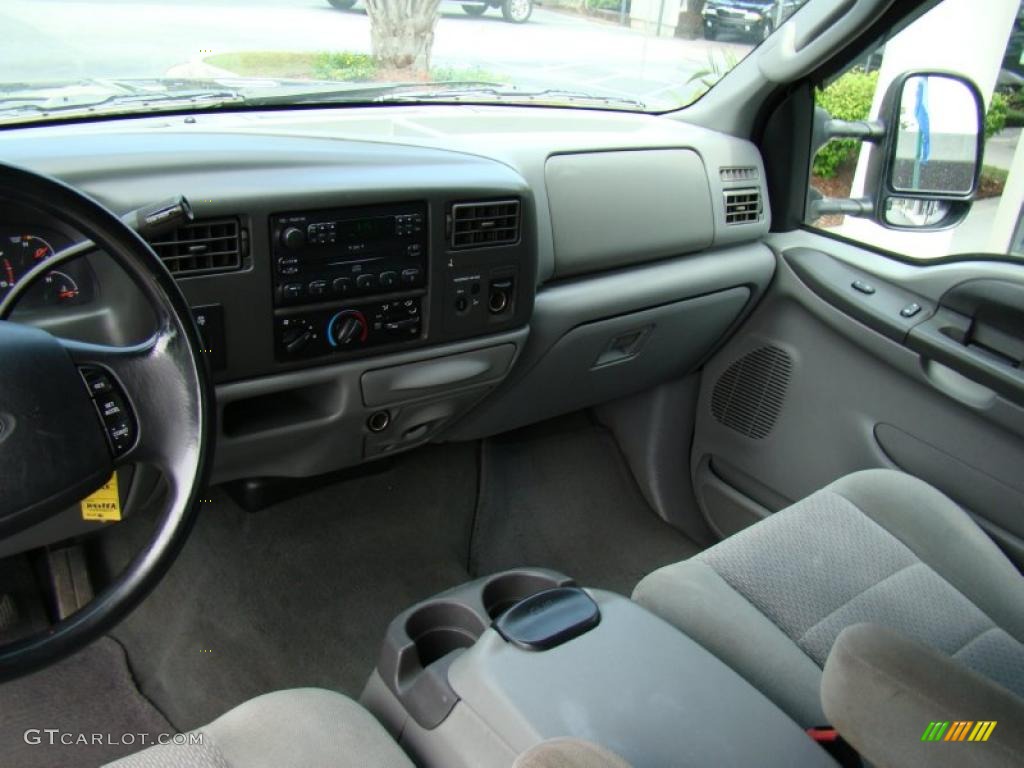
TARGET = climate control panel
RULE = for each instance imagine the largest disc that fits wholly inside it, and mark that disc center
(312, 333)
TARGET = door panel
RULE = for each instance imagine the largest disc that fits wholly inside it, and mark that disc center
(824, 379)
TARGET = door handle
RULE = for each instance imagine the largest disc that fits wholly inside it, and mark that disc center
(945, 338)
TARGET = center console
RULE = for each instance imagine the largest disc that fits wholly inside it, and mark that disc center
(481, 673)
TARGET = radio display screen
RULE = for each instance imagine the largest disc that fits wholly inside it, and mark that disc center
(369, 228)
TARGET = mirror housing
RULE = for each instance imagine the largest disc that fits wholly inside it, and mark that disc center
(925, 157)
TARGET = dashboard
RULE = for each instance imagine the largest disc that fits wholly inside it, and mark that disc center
(368, 280)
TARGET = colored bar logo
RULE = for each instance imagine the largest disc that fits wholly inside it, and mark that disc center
(959, 730)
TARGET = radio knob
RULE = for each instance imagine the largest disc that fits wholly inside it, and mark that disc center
(293, 238)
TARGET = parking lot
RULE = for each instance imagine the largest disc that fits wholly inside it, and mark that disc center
(553, 49)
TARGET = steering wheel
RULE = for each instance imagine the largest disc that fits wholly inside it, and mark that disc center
(56, 446)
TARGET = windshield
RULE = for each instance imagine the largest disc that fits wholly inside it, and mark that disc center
(69, 58)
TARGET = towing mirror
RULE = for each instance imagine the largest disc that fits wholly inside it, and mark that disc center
(925, 155)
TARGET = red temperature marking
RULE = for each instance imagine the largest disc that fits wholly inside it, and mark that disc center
(40, 253)
(10, 271)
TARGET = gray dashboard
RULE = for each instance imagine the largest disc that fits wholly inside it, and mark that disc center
(637, 249)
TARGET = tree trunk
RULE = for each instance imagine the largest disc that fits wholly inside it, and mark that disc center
(402, 34)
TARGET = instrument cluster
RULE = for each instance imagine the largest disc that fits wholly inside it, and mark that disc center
(23, 248)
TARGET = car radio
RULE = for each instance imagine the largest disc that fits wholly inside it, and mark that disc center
(345, 252)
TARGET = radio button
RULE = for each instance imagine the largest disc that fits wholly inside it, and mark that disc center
(292, 290)
(388, 279)
(411, 276)
(366, 282)
(318, 288)
(342, 286)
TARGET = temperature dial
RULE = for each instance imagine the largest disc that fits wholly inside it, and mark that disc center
(347, 328)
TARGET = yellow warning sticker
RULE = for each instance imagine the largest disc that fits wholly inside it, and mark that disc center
(104, 504)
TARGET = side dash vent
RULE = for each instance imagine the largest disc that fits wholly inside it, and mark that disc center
(203, 247)
(742, 206)
(744, 173)
(748, 396)
(480, 225)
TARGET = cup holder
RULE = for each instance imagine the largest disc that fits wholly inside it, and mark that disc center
(437, 629)
(507, 589)
(420, 641)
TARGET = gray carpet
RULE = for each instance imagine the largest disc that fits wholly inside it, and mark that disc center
(300, 593)
(567, 500)
(91, 692)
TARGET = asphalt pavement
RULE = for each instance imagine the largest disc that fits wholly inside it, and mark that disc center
(72, 39)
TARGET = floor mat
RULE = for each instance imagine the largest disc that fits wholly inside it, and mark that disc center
(299, 593)
(89, 693)
(567, 500)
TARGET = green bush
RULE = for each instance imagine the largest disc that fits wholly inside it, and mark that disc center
(847, 98)
(995, 117)
(607, 5)
(344, 66)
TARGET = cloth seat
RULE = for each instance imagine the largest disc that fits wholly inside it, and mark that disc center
(876, 546)
(298, 727)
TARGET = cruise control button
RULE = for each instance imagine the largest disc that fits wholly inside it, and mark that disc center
(121, 435)
(97, 381)
(366, 282)
(112, 407)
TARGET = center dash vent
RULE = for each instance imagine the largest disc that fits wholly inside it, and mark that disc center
(742, 206)
(480, 225)
(203, 247)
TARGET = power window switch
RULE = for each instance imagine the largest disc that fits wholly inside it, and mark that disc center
(863, 287)
(911, 309)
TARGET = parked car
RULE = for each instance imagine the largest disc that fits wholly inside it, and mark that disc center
(514, 11)
(755, 19)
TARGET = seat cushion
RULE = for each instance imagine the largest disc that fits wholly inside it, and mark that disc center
(299, 727)
(876, 546)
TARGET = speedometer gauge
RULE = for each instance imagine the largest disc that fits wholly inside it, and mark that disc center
(21, 252)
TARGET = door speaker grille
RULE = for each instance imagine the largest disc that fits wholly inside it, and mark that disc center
(749, 395)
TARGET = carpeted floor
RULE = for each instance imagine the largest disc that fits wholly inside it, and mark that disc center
(89, 693)
(565, 499)
(300, 593)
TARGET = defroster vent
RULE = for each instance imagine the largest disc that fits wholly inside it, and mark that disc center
(742, 206)
(479, 225)
(748, 396)
(203, 247)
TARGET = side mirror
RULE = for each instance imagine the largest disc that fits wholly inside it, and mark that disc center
(925, 159)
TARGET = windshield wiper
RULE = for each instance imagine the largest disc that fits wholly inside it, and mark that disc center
(327, 92)
(121, 95)
(512, 95)
(453, 90)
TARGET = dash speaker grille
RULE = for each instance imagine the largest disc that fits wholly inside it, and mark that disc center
(749, 395)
